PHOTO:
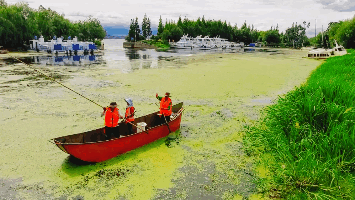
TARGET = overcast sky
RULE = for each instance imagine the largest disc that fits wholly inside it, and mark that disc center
(262, 13)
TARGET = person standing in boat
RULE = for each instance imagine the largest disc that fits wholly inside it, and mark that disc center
(165, 107)
(129, 115)
(112, 115)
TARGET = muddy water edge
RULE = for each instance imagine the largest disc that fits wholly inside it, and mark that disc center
(205, 159)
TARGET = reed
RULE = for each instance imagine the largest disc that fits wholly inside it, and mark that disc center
(310, 134)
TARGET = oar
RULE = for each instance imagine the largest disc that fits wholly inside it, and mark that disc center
(125, 117)
(166, 122)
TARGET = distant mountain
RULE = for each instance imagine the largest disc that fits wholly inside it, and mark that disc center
(114, 37)
(121, 31)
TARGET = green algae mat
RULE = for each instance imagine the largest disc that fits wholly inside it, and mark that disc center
(222, 94)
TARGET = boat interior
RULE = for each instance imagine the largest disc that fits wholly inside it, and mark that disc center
(152, 120)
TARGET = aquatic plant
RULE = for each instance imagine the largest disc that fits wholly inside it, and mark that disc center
(310, 133)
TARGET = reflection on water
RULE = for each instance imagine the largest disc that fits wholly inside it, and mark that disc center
(74, 60)
(127, 60)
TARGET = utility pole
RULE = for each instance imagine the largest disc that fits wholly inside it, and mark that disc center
(322, 36)
(315, 28)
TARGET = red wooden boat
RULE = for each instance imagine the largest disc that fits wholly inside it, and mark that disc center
(92, 146)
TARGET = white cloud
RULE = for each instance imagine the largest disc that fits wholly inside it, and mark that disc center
(339, 5)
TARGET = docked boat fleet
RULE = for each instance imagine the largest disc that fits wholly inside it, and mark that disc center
(205, 43)
(58, 45)
(320, 53)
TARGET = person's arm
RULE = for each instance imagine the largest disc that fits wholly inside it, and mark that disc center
(103, 113)
(119, 115)
(158, 97)
(170, 105)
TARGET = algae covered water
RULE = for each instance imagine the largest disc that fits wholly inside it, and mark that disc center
(222, 93)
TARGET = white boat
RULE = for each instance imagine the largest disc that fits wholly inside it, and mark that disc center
(58, 45)
(203, 43)
(321, 53)
(235, 45)
(339, 50)
(185, 43)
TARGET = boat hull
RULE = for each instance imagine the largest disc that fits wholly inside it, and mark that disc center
(104, 150)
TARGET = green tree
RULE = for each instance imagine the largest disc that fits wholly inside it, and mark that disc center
(19, 23)
(14, 30)
(296, 35)
(137, 30)
(160, 26)
(179, 23)
(131, 32)
(272, 37)
(149, 28)
(145, 26)
(245, 33)
(95, 30)
(3, 3)
(344, 33)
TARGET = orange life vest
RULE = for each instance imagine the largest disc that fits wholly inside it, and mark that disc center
(164, 104)
(129, 114)
(111, 117)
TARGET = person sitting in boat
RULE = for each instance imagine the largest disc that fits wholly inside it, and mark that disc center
(112, 115)
(165, 107)
(129, 116)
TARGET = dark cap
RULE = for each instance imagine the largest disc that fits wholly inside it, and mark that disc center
(113, 103)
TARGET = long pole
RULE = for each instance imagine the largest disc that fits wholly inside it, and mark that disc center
(51, 78)
(322, 35)
(124, 120)
(166, 122)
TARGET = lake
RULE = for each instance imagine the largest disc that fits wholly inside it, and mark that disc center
(222, 93)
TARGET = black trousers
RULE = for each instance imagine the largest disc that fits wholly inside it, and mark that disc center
(130, 128)
(111, 132)
(163, 120)
(159, 120)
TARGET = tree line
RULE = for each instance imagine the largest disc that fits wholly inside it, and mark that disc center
(135, 33)
(294, 36)
(20, 23)
(343, 32)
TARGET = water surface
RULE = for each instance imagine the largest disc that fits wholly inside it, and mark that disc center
(222, 93)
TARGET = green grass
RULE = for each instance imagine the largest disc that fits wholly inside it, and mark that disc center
(159, 44)
(307, 139)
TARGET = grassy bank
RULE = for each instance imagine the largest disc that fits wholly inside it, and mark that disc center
(306, 141)
(159, 44)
